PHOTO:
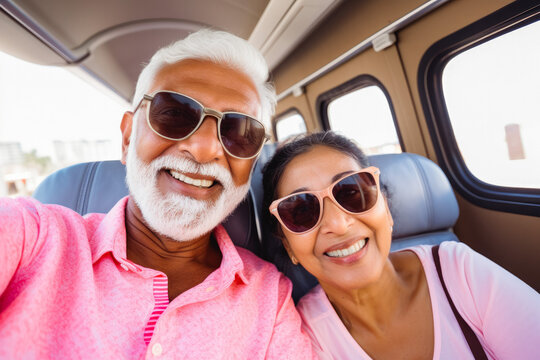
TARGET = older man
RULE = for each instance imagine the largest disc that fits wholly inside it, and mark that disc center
(157, 276)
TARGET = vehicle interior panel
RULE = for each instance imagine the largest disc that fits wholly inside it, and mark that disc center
(347, 26)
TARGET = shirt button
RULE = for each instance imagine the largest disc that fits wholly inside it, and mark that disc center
(124, 266)
(210, 288)
(157, 349)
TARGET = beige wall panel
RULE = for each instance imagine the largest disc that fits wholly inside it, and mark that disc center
(301, 104)
(386, 67)
(351, 23)
(511, 240)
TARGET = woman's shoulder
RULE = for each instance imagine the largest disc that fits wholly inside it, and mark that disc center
(313, 304)
(461, 261)
(475, 282)
(449, 250)
(455, 249)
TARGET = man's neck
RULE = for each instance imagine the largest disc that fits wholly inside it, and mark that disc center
(186, 263)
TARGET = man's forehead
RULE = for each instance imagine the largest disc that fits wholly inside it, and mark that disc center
(202, 77)
(197, 69)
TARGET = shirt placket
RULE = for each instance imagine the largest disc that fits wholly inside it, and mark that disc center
(161, 301)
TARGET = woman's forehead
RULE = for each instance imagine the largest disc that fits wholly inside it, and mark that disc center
(315, 169)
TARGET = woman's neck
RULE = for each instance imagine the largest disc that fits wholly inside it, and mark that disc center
(374, 308)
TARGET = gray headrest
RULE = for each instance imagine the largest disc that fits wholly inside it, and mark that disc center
(92, 187)
(420, 197)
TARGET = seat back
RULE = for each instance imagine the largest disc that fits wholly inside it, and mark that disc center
(96, 186)
(421, 201)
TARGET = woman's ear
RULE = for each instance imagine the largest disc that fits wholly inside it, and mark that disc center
(289, 250)
(389, 214)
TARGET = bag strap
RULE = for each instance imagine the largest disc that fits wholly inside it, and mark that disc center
(470, 336)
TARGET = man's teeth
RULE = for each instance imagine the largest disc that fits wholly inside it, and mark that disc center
(354, 248)
(188, 180)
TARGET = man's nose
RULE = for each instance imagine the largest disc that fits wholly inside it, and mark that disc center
(204, 145)
(334, 219)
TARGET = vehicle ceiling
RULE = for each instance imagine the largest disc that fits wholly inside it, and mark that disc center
(111, 40)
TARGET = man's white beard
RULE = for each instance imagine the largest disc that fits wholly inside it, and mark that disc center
(174, 215)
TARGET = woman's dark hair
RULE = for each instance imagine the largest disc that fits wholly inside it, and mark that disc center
(274, 169)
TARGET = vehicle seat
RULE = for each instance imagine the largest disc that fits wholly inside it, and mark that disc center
(97, 186)
(422, 203)
(257, 190)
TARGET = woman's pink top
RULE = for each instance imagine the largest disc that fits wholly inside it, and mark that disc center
(503, 311)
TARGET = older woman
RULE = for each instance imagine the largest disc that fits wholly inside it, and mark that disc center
(370, 303)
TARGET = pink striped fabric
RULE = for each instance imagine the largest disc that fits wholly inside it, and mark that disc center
(161, 301)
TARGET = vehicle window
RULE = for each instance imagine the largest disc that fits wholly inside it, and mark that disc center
(50, 118)
(292, 123)
(492, 93)
(365, 116)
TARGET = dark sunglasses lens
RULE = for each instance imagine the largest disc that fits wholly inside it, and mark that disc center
(357, 192)
(241, 135)
(300, 212)
(173, 115)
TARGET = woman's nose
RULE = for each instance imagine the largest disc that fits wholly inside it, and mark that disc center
(334, 219)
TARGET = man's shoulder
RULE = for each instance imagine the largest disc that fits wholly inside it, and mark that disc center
(44, 229)
(313, 304)
(30, 208)
(28, 216)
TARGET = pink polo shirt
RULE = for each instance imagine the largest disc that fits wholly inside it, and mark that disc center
(67, 291)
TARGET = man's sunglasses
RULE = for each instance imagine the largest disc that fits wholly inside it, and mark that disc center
(175, 116)
(302, 212)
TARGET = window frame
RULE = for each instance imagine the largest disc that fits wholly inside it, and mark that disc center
(524, 201)
(281, 116)
(356, 83)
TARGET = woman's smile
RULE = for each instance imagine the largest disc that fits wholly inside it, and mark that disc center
(342, 252)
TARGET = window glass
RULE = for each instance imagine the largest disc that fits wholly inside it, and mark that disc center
(290, 124)
(492, 94)
(50, 118)
(365, 116)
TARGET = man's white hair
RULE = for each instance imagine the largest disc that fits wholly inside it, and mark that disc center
(218, 47)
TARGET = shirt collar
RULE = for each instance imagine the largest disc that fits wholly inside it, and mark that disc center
(110, 236)
(232, 263)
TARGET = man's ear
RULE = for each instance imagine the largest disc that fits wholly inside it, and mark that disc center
(126, 128)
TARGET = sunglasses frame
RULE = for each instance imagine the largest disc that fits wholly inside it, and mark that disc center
(327, 193)
(205, 112)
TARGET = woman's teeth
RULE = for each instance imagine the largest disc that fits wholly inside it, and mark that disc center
(354, 248)
(196, 182)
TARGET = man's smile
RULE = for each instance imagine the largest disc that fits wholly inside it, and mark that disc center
(193, 185)
(204, 183)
